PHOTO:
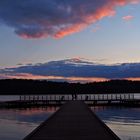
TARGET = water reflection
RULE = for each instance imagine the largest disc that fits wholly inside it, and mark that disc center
(15, 124)
(125, 122)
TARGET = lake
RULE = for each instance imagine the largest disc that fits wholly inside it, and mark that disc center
(15, 124)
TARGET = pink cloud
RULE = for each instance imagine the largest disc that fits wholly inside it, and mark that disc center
(135, 2)
(32, 35)
(133, 78)
(128, 17)
(69, 79)
(56, 18)
(40, 77)
(108, 9)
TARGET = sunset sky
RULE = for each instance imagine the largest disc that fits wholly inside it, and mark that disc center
(98, 31)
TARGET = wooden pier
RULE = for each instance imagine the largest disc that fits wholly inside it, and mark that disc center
(73, 121)
(26, 101)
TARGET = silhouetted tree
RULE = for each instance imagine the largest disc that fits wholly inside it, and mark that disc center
(15, 86)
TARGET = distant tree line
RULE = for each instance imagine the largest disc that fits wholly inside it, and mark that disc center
(15, 86)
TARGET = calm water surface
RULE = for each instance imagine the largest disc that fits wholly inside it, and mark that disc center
(15, 124)
(125, 122)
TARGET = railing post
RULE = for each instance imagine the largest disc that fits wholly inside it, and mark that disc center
(20, 97)
(103, 97)
(124, 97)
(24, 97)
(98, 97)
(129, 96)
(120, 96)
(133, 96)
(34, 97)
(90, 97)
(111, 96)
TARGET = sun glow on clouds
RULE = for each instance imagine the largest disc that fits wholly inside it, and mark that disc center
(133, 78)
(60, 78)
(41, 19)
(55, 78)
(73, 70)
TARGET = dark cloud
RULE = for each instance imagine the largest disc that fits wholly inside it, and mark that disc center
(75, 68)
(57, 18)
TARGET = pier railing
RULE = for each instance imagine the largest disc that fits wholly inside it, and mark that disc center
(83, 97)
(91, 99)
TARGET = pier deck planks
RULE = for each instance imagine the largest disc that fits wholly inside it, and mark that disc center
(74, 121)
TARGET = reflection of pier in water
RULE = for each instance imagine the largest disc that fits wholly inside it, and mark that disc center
(91, 99)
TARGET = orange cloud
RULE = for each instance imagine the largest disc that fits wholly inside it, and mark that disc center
(56, 18)
(69, 30)
(133, 78)
(69, 79)
(37, 35)
(72, 79)
(128, 18)
(39, 77)
(100, 13)
(104, 11)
